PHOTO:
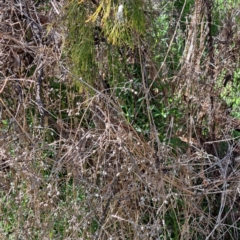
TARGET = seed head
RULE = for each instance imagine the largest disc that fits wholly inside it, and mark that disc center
(119, 15)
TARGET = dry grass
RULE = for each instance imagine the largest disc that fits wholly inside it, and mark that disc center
(72, 166)
(108, 183)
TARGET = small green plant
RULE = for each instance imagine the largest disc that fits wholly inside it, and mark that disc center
(230, 94)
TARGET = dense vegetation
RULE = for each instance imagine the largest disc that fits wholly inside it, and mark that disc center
(119, 119)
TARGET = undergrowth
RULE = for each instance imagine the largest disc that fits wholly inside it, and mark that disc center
(119, 129)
